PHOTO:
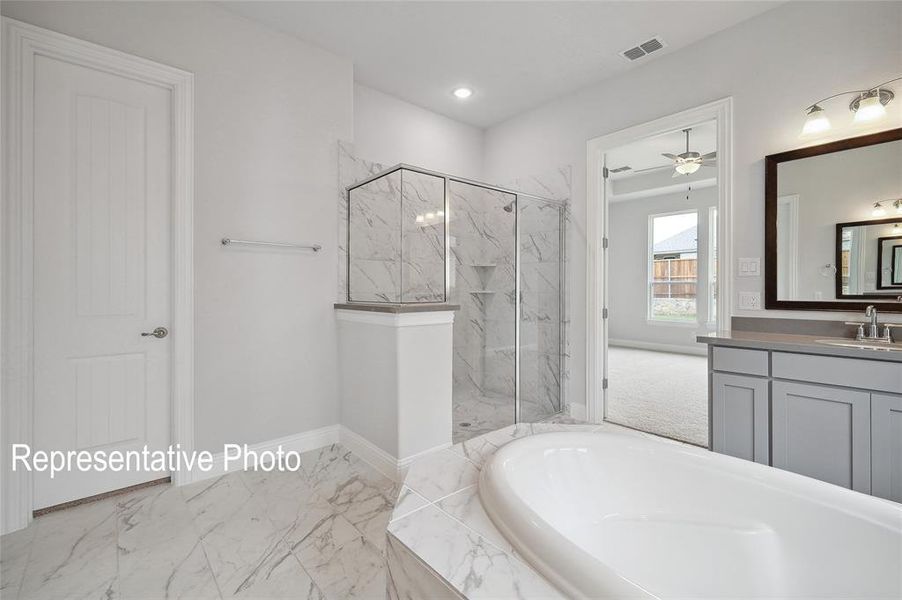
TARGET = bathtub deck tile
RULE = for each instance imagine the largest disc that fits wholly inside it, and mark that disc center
(441, 474)
(469, 562)
(466, 507)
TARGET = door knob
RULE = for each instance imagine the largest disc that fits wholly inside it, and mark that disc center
(159, 333)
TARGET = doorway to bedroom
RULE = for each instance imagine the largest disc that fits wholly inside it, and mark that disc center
(661, 194)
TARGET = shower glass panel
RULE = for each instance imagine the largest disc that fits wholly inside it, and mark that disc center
(482, 227)
(396, 239)
(541, 232)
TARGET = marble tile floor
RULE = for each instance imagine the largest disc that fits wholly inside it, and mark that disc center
(317, 533)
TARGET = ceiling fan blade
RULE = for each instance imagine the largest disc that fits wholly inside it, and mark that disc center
(709, 164)
(670, 156)
(709, 155)
(676, 174)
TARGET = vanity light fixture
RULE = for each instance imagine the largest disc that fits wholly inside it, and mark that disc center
(817, 120)
(878, 211)
(462, 93)
(867, 105)
(898, 206)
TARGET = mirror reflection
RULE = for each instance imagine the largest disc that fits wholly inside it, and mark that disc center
(839, 222)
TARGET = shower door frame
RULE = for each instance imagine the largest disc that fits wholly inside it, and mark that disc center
(561, 208)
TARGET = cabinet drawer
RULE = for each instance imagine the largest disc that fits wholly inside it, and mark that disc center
(847, 372)
(740, 360)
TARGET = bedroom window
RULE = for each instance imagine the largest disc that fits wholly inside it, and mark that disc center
(673, 267)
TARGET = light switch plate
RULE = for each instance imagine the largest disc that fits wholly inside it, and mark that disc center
(749, 267)
(750, 300)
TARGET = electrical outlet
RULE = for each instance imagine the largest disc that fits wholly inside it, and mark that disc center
(750, 300)
(749, 267)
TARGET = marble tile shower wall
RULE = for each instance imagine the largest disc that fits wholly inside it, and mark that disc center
(483, 246)
(540, 325)
(422, 237)
(351, 169)
(397, 241)
(542, 275)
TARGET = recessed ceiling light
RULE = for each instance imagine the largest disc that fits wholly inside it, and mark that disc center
(463, 93)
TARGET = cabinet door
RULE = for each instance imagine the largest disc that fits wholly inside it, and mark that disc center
(739, 407)
(886, 446)
(823, 432)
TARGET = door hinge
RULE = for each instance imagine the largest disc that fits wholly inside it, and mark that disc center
(604, 243)
(604, 313)
(604, 172)
(604, 383)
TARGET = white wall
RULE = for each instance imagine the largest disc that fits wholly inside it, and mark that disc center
(269, 112)
(390, 131)
(628, 263)
(773, 66)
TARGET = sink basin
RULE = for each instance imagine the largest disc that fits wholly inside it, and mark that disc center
(864, 345)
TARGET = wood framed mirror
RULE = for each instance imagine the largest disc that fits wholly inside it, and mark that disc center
(832, 216)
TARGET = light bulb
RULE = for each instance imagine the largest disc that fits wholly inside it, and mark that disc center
(440, 214)
(463, 93)
(870, 108)
(816, 122)
(878, 211)
(430, 216)
(420, 219)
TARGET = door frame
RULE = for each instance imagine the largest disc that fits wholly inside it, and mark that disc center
(597, 298)
(21, 44)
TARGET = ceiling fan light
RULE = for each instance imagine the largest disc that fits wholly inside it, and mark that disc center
(687, 168)
(870, 108)
(816, 122)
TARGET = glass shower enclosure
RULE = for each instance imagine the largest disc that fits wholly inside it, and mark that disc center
(418, 236)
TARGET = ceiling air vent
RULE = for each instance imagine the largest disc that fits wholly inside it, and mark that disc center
(643, 49)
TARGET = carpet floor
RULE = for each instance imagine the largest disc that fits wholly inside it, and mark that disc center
(659, 392)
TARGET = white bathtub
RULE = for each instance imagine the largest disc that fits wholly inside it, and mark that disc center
(607, 515)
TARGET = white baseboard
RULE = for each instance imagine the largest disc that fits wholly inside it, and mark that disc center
(379, 459)
(404, 463)
(369, 452)
(306, 441)
(701, 350)
(299, 442)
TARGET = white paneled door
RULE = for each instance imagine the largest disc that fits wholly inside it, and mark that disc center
(102, 195)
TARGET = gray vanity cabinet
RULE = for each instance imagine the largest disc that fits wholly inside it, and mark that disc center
(833, 418)
(886, 446)
(740, 414)
(822, 432)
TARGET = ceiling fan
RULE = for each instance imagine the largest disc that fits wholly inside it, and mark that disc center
(688, 162)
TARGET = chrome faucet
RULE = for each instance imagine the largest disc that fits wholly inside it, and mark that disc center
(870, 313)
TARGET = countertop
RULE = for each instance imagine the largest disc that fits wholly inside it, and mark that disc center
(806, 344)
(397, 308)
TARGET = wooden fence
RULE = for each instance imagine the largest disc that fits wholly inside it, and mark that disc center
(675, 278)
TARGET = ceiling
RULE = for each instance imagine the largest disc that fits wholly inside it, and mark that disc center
(514, 55)
(647, 153)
